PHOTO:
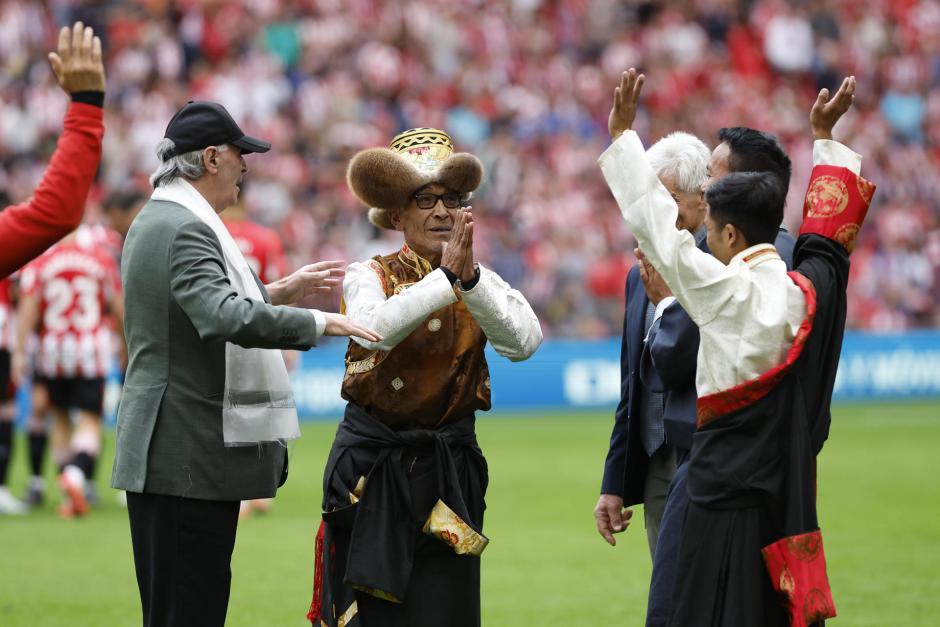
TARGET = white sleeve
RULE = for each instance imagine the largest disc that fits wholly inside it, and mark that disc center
(700, 282)
(504, 315)
(831, 152)
(396, 317)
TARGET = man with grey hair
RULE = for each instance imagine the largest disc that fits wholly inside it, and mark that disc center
(641, 459)
(207, 404)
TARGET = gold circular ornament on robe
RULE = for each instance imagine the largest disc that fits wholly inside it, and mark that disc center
(805, 547)
(787, 584)
(827, 196)
(434, 325)
(846, 235)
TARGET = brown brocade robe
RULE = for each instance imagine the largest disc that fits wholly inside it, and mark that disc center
(405, 481)
(438, 374)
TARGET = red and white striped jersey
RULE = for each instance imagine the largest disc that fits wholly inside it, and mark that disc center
(261, 247)
(6, 315)
(73, 285)
(98, 236)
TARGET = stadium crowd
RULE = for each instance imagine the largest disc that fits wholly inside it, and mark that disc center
(525, 85)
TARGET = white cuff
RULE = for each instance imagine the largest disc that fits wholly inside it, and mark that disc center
(831, 152)
(320, 321)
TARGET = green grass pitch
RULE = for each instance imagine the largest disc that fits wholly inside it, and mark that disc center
(879, 498)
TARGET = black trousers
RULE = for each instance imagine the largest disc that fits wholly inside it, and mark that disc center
(182, 555)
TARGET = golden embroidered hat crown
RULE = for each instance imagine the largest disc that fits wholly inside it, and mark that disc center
(386, 178)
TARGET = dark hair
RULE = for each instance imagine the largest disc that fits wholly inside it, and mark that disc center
(124, 200)
(751, 201)
(755, 151)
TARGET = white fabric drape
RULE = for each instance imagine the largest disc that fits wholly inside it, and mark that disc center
(257, 404)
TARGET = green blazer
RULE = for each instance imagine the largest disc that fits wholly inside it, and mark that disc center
(180, 310)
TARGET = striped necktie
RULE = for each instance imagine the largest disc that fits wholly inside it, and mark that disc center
(652, 403)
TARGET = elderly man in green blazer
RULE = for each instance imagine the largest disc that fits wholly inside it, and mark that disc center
(207, 406)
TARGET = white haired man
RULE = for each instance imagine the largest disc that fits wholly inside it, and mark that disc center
(207, 406)
(641, 458)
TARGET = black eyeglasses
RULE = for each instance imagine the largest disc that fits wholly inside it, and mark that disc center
(451, 200)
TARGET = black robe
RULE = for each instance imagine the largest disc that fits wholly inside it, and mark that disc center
(377, 561)
(751, 553)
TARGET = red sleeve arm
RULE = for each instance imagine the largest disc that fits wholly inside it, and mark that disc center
(836, 204)
(58, 204)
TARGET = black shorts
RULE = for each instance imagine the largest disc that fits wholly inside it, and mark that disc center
(7, 389)
(74, 393)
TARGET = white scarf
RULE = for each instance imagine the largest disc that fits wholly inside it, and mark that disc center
(257, 404)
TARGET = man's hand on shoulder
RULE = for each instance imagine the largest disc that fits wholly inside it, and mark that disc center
(827, 111)
(611, 517)
(626, 99)
(77, 63)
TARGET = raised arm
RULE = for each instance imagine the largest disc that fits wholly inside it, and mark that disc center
(837, 199)
(700, 282)
(58, 203)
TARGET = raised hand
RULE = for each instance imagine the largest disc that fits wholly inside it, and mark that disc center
(454, 256)
(826, 112)
(321, 277)
(653, 283)
(338, 324)
(611, 517)
(468, 272)
(77, 64)
(626, 97)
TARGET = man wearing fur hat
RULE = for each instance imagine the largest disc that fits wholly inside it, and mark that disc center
(405, 481)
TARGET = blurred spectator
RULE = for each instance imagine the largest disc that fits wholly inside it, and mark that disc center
(526, 85)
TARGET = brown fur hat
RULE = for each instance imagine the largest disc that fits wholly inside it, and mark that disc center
(386, 178)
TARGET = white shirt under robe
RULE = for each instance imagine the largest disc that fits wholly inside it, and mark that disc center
(502, 312)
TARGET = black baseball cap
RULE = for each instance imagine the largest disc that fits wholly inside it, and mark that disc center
(200, 124)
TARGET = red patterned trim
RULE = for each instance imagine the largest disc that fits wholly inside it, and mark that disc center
(379, 272)
(837, 201)
(797, 569)
(317, 603)
(761, 253)
(744, 394)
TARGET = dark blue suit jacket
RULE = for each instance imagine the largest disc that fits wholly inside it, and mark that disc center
(625, 467)
(668, 360)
